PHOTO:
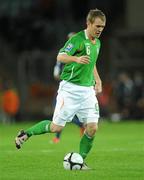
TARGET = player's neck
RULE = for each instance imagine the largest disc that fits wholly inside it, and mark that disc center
(91, 38)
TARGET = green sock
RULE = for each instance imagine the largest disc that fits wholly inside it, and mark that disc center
(85, 145)
(39, 128)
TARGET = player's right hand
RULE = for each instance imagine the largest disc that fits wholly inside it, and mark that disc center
(83, 60)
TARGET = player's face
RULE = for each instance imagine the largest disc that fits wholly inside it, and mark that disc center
(96, 27)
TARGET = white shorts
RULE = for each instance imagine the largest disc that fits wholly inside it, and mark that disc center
(74, 100)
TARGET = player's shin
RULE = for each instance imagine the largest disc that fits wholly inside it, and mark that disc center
(85, 145)
(39, 128)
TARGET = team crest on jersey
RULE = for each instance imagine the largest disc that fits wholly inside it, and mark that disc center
(69, 47)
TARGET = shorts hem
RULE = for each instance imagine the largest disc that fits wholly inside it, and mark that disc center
(60, 123)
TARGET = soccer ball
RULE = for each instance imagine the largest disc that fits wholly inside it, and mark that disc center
(73, 161)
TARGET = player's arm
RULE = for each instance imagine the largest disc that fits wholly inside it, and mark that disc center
(67, 53)
(65, 58)
(98, 85)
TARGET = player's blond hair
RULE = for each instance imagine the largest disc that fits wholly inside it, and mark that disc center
(94, 13)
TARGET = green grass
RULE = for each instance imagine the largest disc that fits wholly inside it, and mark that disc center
(117, 154)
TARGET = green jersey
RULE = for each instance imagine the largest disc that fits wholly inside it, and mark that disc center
(80, 45)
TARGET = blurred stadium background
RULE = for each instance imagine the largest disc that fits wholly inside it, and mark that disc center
(32, 32)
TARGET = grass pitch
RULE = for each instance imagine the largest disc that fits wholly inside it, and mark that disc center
(117, 154)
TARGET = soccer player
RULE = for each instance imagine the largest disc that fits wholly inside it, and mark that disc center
(79, 86)
(57, 71)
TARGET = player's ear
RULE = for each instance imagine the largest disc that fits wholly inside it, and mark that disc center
(88, 23)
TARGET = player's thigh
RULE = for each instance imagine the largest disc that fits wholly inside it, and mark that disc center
(89, 111)
(66, 107)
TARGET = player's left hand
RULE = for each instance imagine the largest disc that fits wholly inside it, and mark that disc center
(98, 87)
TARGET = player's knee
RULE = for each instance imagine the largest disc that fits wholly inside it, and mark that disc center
(55, 128)
(91, 129)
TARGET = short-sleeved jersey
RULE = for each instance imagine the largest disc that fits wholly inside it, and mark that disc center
(80, 45)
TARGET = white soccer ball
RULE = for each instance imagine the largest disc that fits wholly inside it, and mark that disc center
(73, 161)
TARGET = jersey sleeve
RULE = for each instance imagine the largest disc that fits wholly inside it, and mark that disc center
(70, 47)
